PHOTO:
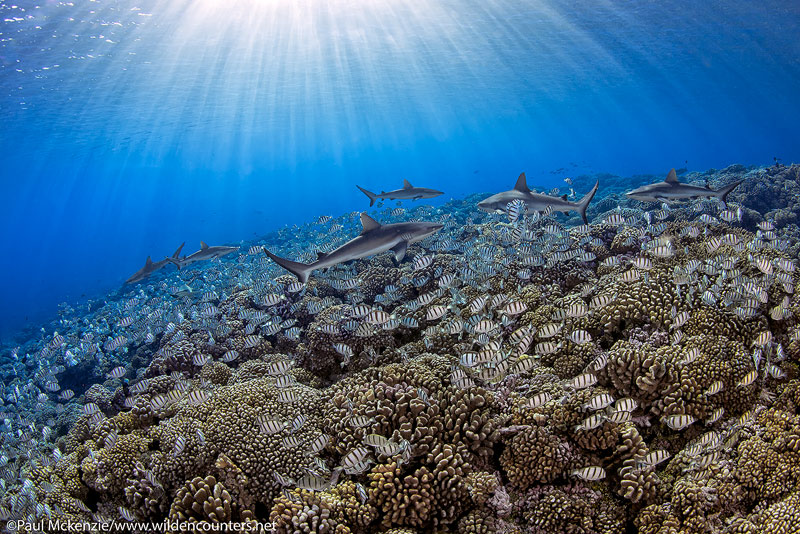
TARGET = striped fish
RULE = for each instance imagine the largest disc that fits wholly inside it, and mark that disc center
(251, 341)
(547, 347)
(626, 405)
(550, 330)
(477, 304)
(117, 372)
(748, 379)
(538, 400)
(715, 387)
(421, 262)
(284, 381)
(359, 421)
(577, 310)
(290, 442)
(774, 371)
(591, 422)
(279, 367)
(435, 312)
(197, 397)
(690, 356)
(619, 417)
(598, 402)
(655, 457)
(317, 444)
(679, 422)
(287, 396)
(523, 365)
(484, 326)
(377, 317)
(583, 381)
(354, 457)
(180, 445)
(230, 355)
(312, 483)
(580, 337)
(679, 320)
(514, 209)
(297, 423)
(270, 425)
(201, 359)
(375, 440)
(514, 308)
(590, 474)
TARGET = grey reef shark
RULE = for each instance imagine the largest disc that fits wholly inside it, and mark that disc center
(671, 190)
(205, 253)
(535, 201)
(407, 192)
(374, 239)
(151, 266)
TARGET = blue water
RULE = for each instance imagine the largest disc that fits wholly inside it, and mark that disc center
(129, 127)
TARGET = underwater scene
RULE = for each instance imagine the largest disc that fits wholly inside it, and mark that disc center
(401, 267)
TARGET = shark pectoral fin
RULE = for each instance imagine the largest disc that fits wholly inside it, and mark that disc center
(407, 184)
(368, 223)
(203, 245)
(400, 251)
(671, 178)
(522, 184)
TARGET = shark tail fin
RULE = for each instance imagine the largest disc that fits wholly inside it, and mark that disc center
(725, 191)
(584, 202)
(175, 261)
(300, 270)
(372, 196)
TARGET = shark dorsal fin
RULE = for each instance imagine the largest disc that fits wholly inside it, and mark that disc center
(522, 184)
(177, 252)
(148, 261)
(407, 184)
(368, 223)
(203, 245)
(672, 178)
(321, 255)
(563, 197)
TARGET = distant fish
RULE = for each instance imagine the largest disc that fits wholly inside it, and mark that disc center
(671, 190)
(408, 192)
(536, 202)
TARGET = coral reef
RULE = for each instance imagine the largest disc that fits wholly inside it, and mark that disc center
(639, 373)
